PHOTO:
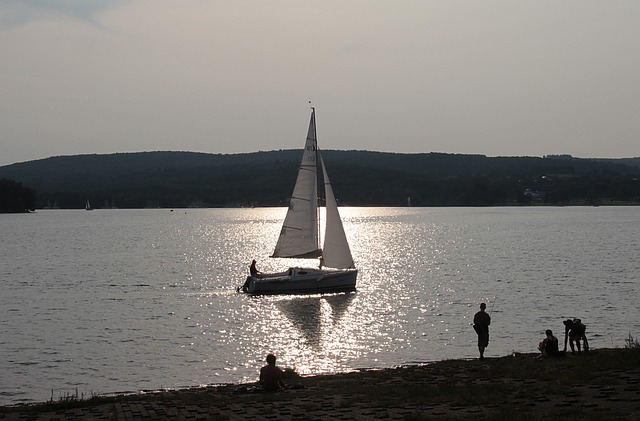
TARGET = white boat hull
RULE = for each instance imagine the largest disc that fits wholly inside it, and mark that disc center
(301, 281)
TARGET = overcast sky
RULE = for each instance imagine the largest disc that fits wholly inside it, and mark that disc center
(499, 78)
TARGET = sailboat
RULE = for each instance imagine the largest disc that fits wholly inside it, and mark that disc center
(299, 237)
(88, 206)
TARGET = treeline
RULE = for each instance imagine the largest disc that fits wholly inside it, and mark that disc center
(360, 178)
(14, 197)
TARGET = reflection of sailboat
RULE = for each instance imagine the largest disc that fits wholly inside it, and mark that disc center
(299, 237)
(88, 206)
(312, 315)
(306, 316)
(339, 305)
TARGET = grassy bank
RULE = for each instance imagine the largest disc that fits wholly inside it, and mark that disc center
(600, 384)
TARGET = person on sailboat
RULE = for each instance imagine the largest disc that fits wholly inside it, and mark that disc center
(271, 375)
(253, 270)
(253, 273)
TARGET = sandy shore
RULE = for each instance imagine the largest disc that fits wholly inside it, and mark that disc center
(603, 384)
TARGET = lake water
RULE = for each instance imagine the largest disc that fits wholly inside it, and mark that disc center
(127, 300)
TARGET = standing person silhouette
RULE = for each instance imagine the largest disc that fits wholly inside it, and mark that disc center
(576, 332)
(481, 322)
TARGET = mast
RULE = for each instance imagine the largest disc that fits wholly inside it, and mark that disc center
(315, 136)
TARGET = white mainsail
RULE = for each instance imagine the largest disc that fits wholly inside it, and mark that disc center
(299, 234)
(336, 252)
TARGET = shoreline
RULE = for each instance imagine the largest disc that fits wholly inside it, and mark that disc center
(603, 383)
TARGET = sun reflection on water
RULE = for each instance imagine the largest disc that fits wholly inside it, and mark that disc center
(404, 297)
(330, 333)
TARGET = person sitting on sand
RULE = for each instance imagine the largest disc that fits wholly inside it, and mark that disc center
(271, 375)
(575, 331)
(549, 346)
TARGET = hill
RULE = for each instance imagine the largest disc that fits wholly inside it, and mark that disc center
(361, 178)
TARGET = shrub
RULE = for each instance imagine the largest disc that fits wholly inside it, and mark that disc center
(631, 342)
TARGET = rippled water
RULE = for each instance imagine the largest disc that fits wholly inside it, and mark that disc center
(123, 300)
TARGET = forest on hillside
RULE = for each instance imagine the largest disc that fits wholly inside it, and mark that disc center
(359, 178)
(16, 198)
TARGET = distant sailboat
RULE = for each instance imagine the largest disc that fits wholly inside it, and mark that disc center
(88, 206)
(299, 237)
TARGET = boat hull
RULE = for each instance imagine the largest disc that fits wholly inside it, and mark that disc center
(301, 281)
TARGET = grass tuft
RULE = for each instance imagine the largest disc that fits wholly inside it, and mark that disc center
(631, 342)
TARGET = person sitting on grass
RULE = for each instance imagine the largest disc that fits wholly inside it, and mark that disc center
(271, 375)
(549, 346)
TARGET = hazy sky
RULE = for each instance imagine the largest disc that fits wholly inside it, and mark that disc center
(498, 78)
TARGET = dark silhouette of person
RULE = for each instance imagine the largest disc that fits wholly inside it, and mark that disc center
(253, 271)
(549, 346)
(481, 322)
(575, 332)
(271, 375)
